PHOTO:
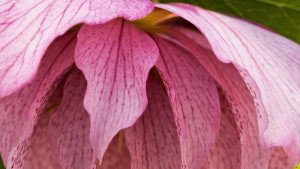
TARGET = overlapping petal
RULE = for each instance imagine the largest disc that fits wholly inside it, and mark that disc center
(27, 27)
(268, 63)
(236, 93)
(40, 154)
(115, 58)
(226, 152)
(153, 141)
(117, 155)
(279, 160)
(21, 110)
(69, 128)
(194, 101)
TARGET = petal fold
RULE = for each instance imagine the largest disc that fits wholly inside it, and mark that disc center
(279, 160)
(20, 111)
(117, 155)
(153, 141)
(269, 65)
(194, 101)
(235, 92)
(226, 152)
(69, 128)
(39, 154)
(28, 27)
(115, 58)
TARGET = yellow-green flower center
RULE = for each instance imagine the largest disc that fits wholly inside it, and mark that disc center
(152, 22)
(298, 166)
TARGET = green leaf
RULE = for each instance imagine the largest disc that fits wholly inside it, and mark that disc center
(1, 164)
(282, 16)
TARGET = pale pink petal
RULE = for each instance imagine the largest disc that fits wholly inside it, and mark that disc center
(40, 155)
(279, 160)
(21, 110)
(153, 141)
(226, 152)
(28, 27)
(70, 127)
(194, 101)
(254, 156)
(117, 155)
(115, 59)
(269, 64)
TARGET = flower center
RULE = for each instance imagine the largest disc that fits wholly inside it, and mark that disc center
(153, 22)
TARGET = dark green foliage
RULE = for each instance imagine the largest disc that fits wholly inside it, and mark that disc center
(1, 164)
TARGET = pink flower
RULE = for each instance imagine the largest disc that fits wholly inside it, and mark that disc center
(226, 96)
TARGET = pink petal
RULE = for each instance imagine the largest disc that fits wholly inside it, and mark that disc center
(279, 160)
(238, 96)
(117, 155)
(194, 101)
(115, 59)
(40, 155)
(153, 141)
(269, 64)
(70, 127)
(28, 27)
(21, 110)
(226, 152)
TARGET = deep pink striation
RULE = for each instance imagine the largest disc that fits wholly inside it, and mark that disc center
(153, 141)
(194, 101)
(269, 65)
(21, 110)
(69, 128)
(237, 95)
(115, 58)
(27, 27)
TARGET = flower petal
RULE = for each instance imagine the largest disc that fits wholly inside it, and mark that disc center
(269, 64)
(28, 27)
(279, 160)
(226, 152)
(236, 93)
(115, 59)
(153, 140)
(117, 155)
(21, 110)
(39, 153)
(194, 101)
(70, 127)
